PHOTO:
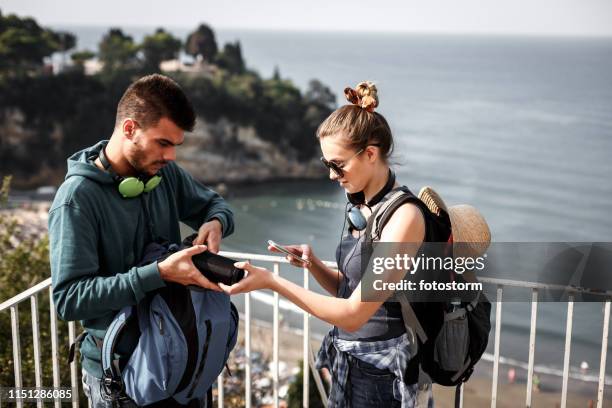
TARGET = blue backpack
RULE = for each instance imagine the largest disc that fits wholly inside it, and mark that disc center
(185, 339)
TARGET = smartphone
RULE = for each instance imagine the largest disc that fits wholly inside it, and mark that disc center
(291, 254)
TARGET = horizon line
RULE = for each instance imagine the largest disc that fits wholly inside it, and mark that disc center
(342, 31)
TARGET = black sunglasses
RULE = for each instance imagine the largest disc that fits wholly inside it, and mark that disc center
(337, 168)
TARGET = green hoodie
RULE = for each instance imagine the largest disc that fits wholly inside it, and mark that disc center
(96, 238)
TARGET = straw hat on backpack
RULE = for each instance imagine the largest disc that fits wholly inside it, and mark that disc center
(471, 234)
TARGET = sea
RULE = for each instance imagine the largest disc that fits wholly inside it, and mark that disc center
(518, 126)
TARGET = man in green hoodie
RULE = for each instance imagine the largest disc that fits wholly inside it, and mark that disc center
(118, 196)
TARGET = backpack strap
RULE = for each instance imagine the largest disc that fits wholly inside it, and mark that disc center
(76, 345)
(111, 377)
(379, 219)
(411, 321)
(385, 210)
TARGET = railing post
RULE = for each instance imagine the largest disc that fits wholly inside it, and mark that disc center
(36, 343)
(568, 343)
(16, 349)
(317, 378)
(247, 349)
(604, 350)
(275, 341)
(532, 337)
(73, 366)
(498, 311)
(220, 393)
(54, 349)
(305, 368)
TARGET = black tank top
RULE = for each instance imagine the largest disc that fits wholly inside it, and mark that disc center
(387, 322)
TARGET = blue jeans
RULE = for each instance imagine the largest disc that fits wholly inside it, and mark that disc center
(371, 386)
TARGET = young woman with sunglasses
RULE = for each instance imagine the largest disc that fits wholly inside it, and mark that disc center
(368, 348)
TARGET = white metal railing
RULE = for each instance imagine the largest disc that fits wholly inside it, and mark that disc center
(308, 360)
(536, 287)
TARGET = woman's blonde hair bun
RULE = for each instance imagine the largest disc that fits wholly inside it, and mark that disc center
(365, 95)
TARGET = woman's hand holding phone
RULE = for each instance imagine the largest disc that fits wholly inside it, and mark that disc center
(297, 255)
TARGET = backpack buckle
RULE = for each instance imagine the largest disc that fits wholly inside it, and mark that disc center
(111, 387)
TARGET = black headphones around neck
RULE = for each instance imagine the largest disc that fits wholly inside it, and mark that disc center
(356, 220)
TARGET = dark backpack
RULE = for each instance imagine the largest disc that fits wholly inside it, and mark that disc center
(450, 342)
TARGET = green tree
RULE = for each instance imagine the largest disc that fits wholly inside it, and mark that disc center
(320, 95)
(159, 47)
(276, 75)
(80, 57)
(24, 263)
(56, 116)
(283, 94)
(4, 190)
(320, 102)
(117, 50)
(65, 41)
(295, 392)
(202, 43)
(24, 44)
(231, 58)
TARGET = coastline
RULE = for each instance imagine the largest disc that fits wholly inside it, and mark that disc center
(30, 199)
(253, 187)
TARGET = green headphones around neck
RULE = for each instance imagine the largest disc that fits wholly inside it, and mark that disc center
(129, 187)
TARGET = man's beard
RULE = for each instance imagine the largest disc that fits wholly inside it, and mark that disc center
(137, 161)
(139, 164)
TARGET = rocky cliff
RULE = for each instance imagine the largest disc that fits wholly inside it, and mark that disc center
(226, 152)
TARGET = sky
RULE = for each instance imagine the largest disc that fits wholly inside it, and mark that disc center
(522, 17)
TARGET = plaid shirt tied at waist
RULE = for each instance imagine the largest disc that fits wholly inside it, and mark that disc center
(392, 355)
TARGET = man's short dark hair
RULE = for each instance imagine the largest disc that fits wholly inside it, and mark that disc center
(153, 97)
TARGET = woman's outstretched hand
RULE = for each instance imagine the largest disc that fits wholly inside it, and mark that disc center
(303, 251)
(256, 278)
